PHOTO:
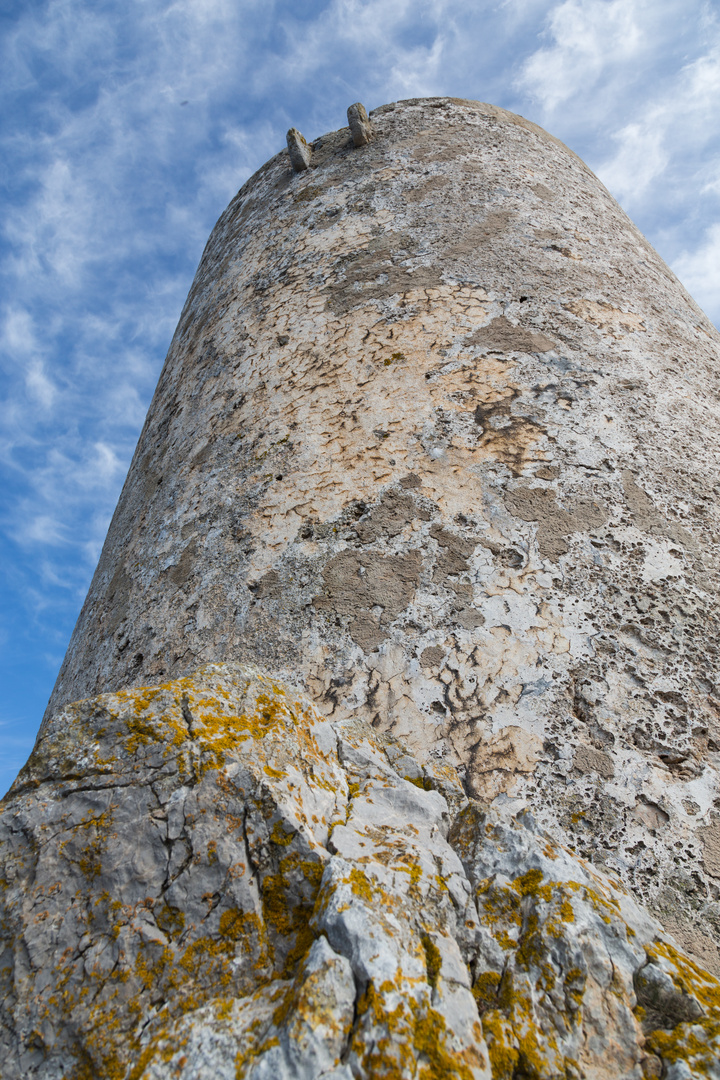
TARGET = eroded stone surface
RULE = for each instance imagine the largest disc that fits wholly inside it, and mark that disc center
(208, 880)
(438, 393)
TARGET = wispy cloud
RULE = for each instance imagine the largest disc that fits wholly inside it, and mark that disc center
(633, 85)
(585, 39)
(676, 125)
(640, 158)
(699, 269)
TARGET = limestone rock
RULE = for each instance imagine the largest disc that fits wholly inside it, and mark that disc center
(207, 879)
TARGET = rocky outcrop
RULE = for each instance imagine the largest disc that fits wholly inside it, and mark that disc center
(207, 879)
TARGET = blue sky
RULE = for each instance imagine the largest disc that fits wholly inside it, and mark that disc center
(125, 129)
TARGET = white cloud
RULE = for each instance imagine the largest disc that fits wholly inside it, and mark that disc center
(40, 388)
(18, 337)
(680, 118)
(588, 36)
(640, 158)
(385, 49)
(633, 86)
(419, 72)
(699, 271)
(44, 530)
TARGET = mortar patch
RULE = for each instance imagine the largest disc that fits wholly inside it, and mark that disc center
(554, 523)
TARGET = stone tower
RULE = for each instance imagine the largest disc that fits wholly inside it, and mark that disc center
(435, 446)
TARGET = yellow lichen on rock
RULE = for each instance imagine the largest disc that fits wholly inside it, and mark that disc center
(246, 874)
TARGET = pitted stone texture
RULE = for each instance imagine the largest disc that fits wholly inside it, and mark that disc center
(207, 880)
(440, 394)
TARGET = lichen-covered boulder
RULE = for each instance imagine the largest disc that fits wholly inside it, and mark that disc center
(207, 880)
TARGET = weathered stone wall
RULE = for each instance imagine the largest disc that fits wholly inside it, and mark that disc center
(436, 438)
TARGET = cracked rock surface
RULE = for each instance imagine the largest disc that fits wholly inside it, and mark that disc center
(208, 879)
